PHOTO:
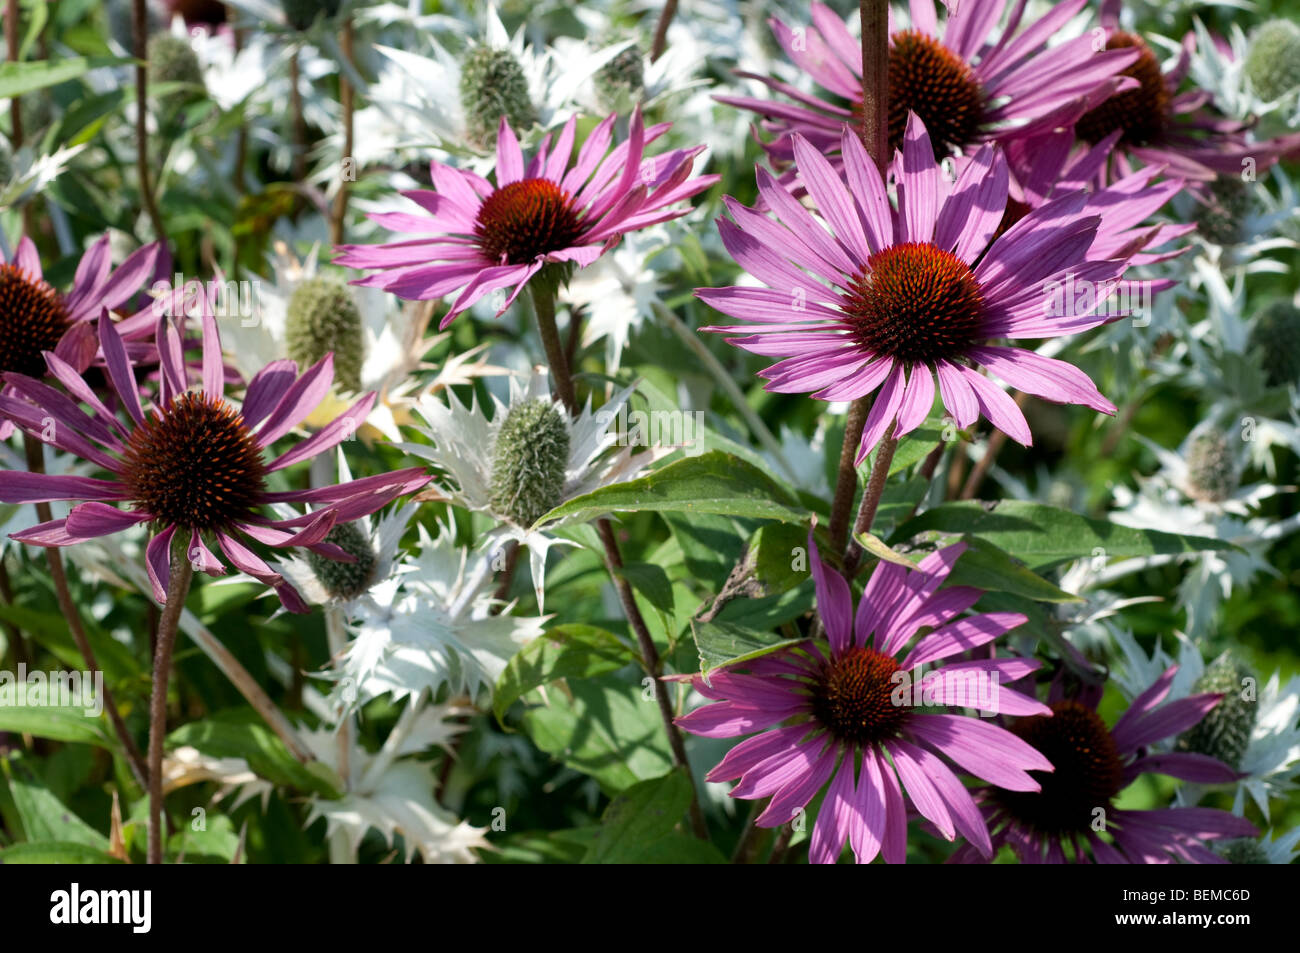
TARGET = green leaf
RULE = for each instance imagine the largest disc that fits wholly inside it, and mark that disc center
(241, 734)
(46, 818)
(55, 852)
(679, 848)
(638, 817)
(566, 651)
(19, 78)
(653, 583)
(986, 567)
(713, 482)
(915, 447)
(876, 547)
(605, 728)
(57, 724)
(1044, 536)
(722, 643)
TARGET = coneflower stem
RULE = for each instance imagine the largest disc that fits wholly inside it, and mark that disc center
(875, 136)
(36, 464)
(660, 42)
(140, 31)
(871, 497)
(178, 588)
(875, 79)
(653, 666)
(346, 102)
(997, 439)
(543, 294)
(846, 484)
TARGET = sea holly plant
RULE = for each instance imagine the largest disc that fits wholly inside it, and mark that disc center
(892, 459)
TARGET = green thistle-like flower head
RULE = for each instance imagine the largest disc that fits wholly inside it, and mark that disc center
(323, 317)
(1243, 851)
(172, 60)
(620, 82)
(1224, 733)
(529, 460)
(1273, 61)
(302, 13)
(1222, 218)
(344, 580)
(1276, 337)
(492, 85)
(1211, 469)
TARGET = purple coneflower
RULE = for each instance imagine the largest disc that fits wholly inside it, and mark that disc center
(971, 82)
(1158, 125)
(481, 237)
(1063, 822)
(195, 464)
(35, 317)
(1051, 167)
(844, 721)
(904, 297)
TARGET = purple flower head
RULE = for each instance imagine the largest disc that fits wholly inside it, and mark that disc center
(194, 464)
(892, 300)
(971, 82)
(35, 317)
(477, 237)
(1158, 125)
(844, 712)
(1064, 822)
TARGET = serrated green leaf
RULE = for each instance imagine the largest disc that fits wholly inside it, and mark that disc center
(638, 817)
(57, 724)
(713, 482)
(566, 651)
(1045, 536)
(722, 643)
(605, 728)
(46, 818)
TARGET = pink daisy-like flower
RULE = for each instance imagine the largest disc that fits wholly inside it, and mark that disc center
(846, 712)
(481, 237)
(1158, 125)
(35, 317)
(1051, 167)
(971, 82)
(893, 300)
(1060, 823)
(195, 464)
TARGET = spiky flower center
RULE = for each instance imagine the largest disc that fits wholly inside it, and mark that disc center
(1139, 112)
(621, 81)
(1275, 337)
(345, 580)
(939, 86)
(915, 302)
(1224, 732)
(1088, 771)
(195, 464)
(531, 455)
(525, 219)
(32, 319)
(1222, 216)
(172, 60)
(323, 318)
(1273, 61)
(492, 85)
(1211, 470)
(854, 698)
